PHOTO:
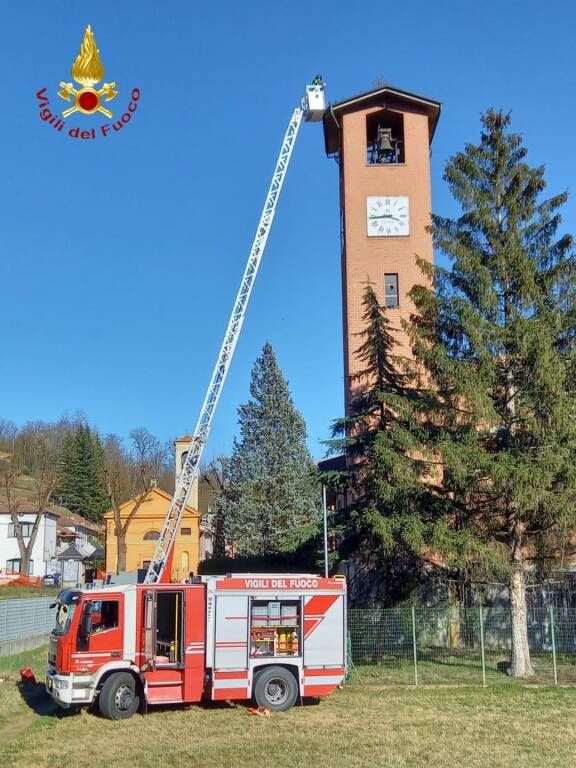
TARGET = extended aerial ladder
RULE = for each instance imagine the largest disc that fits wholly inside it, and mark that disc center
(311, 109)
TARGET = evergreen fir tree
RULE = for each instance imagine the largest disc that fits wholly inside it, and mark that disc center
(496, 337)
(470, 452)
(81, 486)
(381, 438)
(273, 493)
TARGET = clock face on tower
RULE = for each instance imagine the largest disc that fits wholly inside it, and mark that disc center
(387, 216)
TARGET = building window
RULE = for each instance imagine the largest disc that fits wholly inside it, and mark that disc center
(14, 564)
(145, 563)
(25, 527)
(104, 615)
(151, 535)
(186, 531)
(391, 291)
(183, 460)
(385, 138)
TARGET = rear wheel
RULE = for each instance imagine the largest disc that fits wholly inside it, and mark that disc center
(276, 688)
(118, 699)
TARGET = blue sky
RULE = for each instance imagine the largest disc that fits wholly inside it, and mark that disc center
(120, 257)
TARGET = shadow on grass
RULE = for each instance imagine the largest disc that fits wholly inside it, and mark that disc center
(36, 699)
(242, 705)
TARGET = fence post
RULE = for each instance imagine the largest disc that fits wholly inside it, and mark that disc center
(414, 646)
(553, 638)
(482, 650)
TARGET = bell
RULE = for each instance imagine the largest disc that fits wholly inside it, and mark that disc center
(384, 140)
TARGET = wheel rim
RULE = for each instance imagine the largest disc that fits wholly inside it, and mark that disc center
(276, 690)
(124, 698)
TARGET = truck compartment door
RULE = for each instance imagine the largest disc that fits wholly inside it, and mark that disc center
(324, 626)
(231, 627)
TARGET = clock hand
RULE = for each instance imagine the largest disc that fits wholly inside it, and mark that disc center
(384, 216)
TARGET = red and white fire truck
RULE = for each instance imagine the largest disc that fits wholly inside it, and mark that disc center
(274, 638)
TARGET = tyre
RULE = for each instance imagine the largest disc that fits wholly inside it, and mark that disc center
(118, 699)
(276, 688)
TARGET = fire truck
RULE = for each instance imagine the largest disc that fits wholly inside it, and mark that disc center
(274, 638)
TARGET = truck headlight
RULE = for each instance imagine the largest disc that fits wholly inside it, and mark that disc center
(61, 683)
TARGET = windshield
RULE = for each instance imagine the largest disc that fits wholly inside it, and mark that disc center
(66, 608)
(64, 616)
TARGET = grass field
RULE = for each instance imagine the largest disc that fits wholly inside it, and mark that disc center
(363, 725)
(13, 593)
(444, 669)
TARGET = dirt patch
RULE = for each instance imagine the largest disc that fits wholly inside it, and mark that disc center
(16, 725)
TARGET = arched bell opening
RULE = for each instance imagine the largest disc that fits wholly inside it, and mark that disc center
(385, 137)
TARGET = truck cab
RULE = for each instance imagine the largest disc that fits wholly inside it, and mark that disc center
(87, 643)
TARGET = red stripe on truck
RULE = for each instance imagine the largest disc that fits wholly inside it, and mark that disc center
(295, 584)
(315, 611)
(323, 672)
(319, 690)
(220, 694)
(243, 674)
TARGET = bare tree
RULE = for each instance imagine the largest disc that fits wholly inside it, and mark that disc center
(8, 432)
(149, 456)
(137, 471)
(11, 467)
(34, 450)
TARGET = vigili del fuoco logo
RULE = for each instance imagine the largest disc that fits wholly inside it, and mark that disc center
(87, 71)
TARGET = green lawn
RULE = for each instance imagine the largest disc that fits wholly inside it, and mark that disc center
(363, 725)
(12, 593)
(440, 667)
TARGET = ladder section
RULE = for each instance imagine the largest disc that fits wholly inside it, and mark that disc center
(202, 430)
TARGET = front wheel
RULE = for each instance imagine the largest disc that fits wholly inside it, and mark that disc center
(118, 699)
(276, 688)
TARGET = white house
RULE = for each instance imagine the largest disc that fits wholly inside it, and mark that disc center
(44, 550)
(74, 529)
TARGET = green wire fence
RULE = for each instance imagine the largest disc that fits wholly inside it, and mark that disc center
(456, 645)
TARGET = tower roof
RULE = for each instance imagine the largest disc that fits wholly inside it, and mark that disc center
(386, 96)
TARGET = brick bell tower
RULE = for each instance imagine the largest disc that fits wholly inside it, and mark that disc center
(381, 140)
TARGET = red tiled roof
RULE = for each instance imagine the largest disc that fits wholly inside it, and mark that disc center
(65, 517)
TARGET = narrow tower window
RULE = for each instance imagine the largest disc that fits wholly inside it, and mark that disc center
(391, 291)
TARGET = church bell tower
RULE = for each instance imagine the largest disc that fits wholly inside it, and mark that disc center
(381, 140)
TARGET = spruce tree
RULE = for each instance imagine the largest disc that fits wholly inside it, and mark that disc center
(381, 438)
(272, 494)
(496, 337)
(81, 486)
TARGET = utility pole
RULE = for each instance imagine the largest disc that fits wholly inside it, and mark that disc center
(325, 531)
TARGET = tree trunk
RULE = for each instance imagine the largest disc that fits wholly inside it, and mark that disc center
(25, 549)
(25, 561)
(122, 549)
(520, 664)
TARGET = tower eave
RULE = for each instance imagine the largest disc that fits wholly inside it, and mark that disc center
(385, 96)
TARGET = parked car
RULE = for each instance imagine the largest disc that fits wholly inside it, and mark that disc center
(51, 580)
